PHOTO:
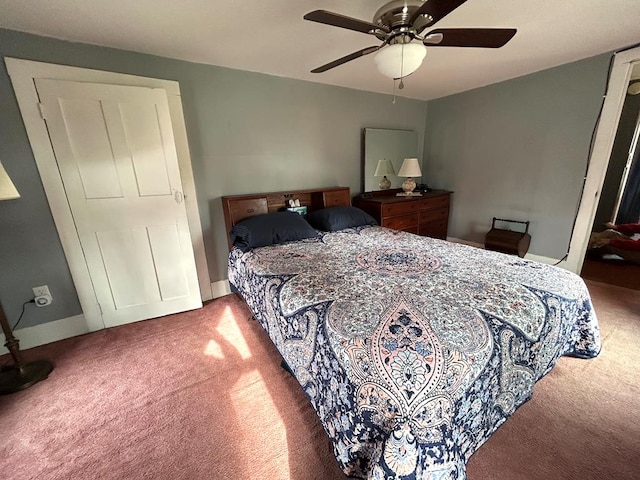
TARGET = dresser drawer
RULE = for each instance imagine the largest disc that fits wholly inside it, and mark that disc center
(428, 215)
(400, 208)
(433, 203)
(404, 222)
(439, 215)
(434, 229)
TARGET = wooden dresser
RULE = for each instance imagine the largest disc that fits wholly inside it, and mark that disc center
(427, 215)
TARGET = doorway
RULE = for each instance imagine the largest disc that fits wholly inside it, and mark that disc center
(25, 76)
(619, 196)
(619, 80)
(628, 203)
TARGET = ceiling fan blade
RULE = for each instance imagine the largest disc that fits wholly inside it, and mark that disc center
(469, 37)
(342, 21)
(436, 9)
(348, 58)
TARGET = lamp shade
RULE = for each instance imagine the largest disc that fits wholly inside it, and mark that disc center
(400, 59)
(385, 167)
(410, 168)
(7, 189)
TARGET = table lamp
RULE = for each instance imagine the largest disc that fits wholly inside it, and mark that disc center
(410, 168)
(384, 168)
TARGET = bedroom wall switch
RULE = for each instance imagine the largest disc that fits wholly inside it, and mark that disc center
(42, 296)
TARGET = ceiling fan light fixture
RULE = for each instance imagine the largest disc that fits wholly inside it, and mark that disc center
(400, 59)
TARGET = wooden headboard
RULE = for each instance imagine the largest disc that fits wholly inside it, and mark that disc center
(238, 207)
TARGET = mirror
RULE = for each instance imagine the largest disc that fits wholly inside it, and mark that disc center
(393, 145)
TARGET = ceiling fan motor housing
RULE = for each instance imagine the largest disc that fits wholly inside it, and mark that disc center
(395, 15)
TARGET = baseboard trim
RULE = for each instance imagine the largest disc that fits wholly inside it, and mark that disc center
(49, 332)
(528, 256)
(465, 242)
(220, 288)
(72, 326)
(206, 295)
(548, 260)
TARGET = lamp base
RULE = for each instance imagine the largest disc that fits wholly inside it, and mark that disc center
(15, 378)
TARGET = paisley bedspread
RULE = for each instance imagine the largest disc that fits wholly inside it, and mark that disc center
(412, 350)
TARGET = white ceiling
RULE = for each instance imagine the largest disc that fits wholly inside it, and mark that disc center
(271, 36)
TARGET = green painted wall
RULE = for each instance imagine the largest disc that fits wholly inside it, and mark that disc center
(517, 149)
(247, 133)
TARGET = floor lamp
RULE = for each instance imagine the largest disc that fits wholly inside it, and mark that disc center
(19, 375)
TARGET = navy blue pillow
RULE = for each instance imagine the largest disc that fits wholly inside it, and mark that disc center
(270, 229)
(339, 218)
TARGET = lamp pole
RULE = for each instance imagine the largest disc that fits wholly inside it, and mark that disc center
(20, 375)
(12, 343)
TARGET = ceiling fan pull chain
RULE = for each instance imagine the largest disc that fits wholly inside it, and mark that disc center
(401, 85)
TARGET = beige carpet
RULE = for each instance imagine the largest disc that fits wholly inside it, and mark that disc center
(201, 395)
(583, 422)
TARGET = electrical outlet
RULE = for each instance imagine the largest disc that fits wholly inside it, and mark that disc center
(39, 291)
(42, 296)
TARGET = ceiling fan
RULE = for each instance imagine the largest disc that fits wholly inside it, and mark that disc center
(398, 23)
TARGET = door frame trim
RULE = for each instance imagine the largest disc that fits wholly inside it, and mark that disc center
(22, 74)
(603, 144)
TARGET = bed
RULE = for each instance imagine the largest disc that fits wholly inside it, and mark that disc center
(412, 350)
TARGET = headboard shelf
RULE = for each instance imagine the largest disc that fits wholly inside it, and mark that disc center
(238, 207)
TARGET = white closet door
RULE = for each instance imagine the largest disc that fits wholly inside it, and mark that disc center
(116, 154)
